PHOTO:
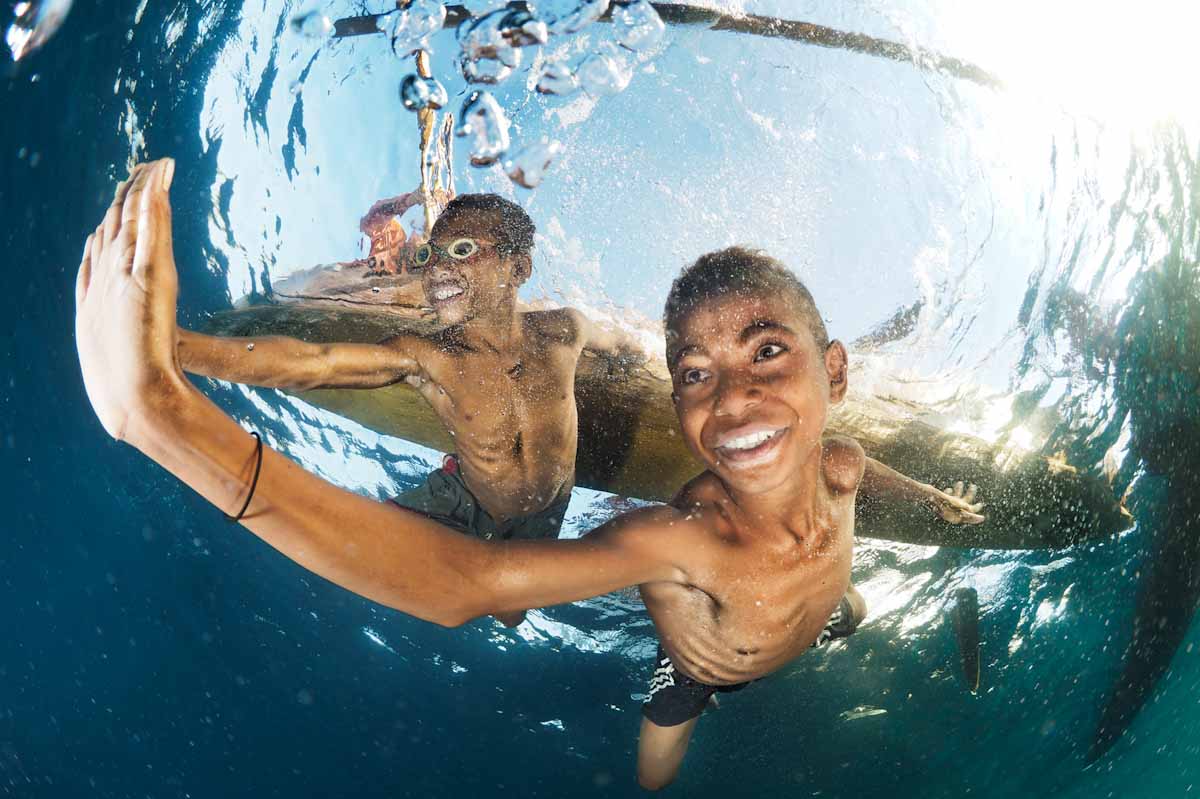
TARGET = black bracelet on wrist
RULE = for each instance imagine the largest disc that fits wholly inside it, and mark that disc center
(254, 482)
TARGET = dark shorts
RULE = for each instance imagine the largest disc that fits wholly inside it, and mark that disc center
(676, 698)
(445, 497)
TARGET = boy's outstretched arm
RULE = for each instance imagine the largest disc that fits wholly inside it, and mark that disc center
(281, 362)
(955, 505)
(126, 337)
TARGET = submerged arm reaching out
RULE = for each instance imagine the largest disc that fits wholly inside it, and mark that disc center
(126, 335)
(956, 504)
(281, 362)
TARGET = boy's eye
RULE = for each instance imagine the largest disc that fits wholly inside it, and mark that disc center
(692, 376)
(768, 351)
(463, 248)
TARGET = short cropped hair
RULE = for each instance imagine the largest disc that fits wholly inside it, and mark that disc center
(514, 235)
(740, 271)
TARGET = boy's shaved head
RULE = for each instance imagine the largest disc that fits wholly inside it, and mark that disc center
(514, 230)
(734, 271)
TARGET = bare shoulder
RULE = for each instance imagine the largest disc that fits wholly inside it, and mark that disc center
(842, 463)
(703, 489)
(703, 500)
(660, 534)
(562, 326)
(423, 349)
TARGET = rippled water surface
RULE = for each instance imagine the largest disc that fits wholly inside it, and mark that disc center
(1044, 237)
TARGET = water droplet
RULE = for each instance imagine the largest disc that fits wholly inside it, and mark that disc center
(419, 93)
(250, 347)
(567, 16)
(313, 25)
(637, 25)
(491, 44)
(557, 78)
(522, 29)
(483, 119)
(529, 165)
(485, 70)
(408, 28)
(35, 22)
(604, 74)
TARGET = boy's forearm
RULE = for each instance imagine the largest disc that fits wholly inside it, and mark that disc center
(268, 361)
(883, 482)
(376, 550)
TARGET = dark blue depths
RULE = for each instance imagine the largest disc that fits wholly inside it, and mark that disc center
(151, 649)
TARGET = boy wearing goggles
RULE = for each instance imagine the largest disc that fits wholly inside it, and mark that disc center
(747, 568)
(501, 380)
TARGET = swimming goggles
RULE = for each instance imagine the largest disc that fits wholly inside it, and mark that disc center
(459, 250)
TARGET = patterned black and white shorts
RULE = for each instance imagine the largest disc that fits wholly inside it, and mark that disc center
(676, 698)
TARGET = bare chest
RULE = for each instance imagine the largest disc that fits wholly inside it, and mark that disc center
(754, 609)
(482, 396)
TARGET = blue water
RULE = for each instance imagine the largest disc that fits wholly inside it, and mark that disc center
(151, 649)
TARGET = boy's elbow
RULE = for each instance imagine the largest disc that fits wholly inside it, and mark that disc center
(654, 782)
(454, 617)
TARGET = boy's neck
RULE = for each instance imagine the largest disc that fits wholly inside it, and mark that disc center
(500, 330)
(790, 506)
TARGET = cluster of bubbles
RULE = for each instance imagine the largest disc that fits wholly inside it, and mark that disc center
(491, 45)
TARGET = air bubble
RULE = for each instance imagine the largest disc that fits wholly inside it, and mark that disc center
(529, 165)
(486, 70)
(557, 78)
(418, 93)
(312, 25)
(408, 28)
(604, 74)
(637, 25)
(567, 16)
(483, 119)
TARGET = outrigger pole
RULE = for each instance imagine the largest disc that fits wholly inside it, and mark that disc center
(755, 25)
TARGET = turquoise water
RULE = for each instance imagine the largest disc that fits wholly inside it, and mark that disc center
(1052, 244)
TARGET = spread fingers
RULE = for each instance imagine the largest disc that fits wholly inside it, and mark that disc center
(112, 219)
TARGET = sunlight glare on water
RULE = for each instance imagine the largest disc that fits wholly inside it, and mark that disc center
(1129, 64)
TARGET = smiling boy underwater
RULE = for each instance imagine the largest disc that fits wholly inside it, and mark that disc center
(740, 574)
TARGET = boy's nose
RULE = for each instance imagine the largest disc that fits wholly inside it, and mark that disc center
(737, 392)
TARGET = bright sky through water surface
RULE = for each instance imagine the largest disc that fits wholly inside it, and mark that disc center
(878, 183)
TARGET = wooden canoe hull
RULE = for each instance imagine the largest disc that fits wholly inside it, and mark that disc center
(629, 442)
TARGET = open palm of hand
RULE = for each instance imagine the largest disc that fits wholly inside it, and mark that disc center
(125, 303)
(957, 505)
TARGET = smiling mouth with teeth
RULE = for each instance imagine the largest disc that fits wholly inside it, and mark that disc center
(445, 292)
(751, 447)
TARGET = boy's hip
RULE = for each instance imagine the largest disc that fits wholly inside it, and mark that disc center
(446, 498)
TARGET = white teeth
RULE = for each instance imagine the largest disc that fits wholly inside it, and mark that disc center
(749, 441)
(446, 292)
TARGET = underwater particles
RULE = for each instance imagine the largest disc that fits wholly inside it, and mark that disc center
(35, 22)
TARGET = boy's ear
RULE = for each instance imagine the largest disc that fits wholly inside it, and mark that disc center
(522, 268)
(837, 365)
